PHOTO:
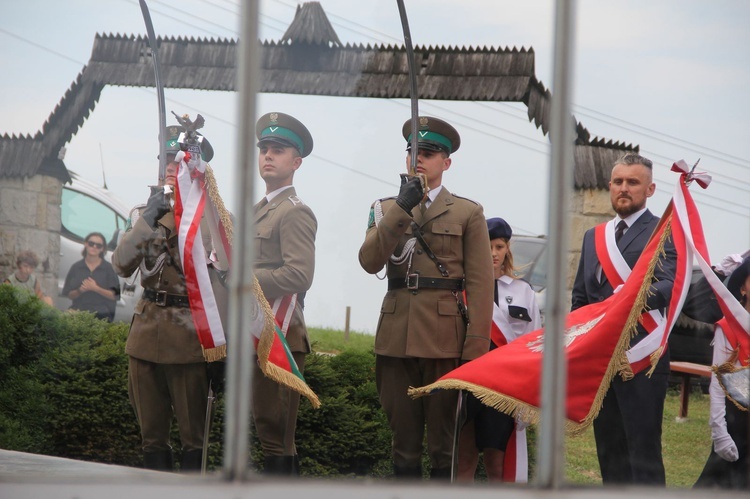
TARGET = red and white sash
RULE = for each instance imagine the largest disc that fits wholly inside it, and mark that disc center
(497, 335)
(190, 202)
(617, 271)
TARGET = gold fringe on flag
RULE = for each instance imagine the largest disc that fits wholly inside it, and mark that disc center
(618, 364)
(270, 370)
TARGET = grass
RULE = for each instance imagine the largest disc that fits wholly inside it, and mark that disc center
(333, 342)
(685, 445)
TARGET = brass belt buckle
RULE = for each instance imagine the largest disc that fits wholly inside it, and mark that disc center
(412, 281)
(161, 298)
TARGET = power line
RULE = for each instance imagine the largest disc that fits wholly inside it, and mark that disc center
(741, 161)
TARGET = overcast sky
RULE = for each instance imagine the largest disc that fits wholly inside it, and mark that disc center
(670, 76)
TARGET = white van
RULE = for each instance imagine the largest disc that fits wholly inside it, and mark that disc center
(86, 208)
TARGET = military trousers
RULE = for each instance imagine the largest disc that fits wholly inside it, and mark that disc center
(407, 417)
(160, 391)
(275, 410)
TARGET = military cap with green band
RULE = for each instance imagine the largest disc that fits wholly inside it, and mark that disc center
(285, 130)
(434, 135)
(173, 146)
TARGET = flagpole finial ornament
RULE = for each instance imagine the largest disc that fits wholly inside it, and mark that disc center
(173, 143)
(285, 130)
(433, 134)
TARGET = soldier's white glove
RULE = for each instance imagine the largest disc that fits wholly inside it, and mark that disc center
(725, 447)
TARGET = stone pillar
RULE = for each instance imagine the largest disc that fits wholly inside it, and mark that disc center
(30, 220)
(589, 207)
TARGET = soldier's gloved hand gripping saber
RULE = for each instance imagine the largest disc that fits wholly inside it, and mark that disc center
(159, 91)
(414, 96)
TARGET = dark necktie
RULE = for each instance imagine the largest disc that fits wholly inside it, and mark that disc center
(261, 204)
(620, 230)
(497, 302)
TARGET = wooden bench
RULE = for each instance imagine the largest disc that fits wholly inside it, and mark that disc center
(687, 370)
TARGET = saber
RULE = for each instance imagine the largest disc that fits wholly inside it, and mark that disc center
(159, 90)
(412, 86)
(207, 427)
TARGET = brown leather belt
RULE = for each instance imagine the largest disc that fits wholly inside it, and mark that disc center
(164, 299)
(415, 281)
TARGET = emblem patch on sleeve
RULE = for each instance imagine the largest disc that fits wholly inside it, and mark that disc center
(371, 218)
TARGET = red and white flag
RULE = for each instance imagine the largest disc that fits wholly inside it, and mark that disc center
(269, 325)
(597, 336)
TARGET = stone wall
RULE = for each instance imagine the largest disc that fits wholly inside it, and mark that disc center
(589, 207)
(30, 220)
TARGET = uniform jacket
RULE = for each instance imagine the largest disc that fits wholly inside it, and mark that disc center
(587, 288)
(285, 232)
(427, 323)
(165, 335)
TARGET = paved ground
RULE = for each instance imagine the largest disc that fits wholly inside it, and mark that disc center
(31, 476)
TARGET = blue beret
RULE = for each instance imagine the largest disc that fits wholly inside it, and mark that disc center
(499, 228)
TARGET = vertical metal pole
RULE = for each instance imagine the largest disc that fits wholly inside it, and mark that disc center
(241, 302)
(346, 325)
(551, 443)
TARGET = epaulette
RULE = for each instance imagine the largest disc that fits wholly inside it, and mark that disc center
(295, 200)
(467, 199)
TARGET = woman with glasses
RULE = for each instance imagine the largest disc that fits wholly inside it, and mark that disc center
(91, 282)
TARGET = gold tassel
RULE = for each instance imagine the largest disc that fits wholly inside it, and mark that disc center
(212, 189)
(214, 354)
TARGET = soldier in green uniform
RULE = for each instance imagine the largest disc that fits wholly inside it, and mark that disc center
(434, 250)
(167, 373)
(285, 229)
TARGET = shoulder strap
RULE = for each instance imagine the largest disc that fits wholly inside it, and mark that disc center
(418, 235)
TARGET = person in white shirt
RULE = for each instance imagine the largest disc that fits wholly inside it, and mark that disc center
(515, 313)
(726, 466)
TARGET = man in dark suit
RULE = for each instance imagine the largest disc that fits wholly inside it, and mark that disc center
(285, 230)
(423, 332)
(628, 428)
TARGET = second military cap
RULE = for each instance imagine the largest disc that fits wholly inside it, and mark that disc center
(286, 130)
(499, 229)
(173, 145)
(434, 135)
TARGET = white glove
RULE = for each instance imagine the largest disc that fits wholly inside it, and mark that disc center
(725, 447)
(617, 289)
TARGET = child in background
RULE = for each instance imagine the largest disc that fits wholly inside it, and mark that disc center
(24, 277)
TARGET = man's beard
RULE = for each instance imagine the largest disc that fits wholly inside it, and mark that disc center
(626, 211)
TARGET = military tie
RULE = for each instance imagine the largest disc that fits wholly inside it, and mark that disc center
(261, 204)
(497, 299)
(423, 207)
(620, 230)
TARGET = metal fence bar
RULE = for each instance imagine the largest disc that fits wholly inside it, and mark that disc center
(551, 444)
(241, 300)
